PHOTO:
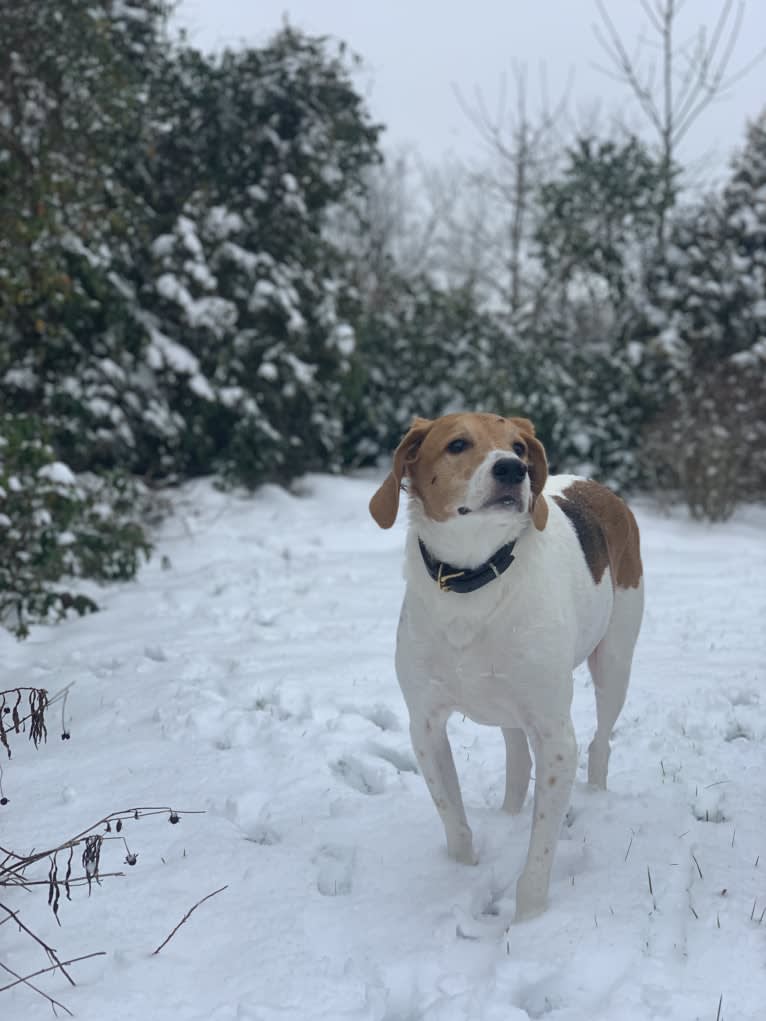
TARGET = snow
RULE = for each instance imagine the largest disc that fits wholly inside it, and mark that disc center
(344, 339)
(57, 472)
(23, 378)
(221, 222)
(163, 351)
(248, 672)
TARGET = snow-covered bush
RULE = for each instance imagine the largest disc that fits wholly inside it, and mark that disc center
(709, 443)
(56, 527)
(710, 318)
(590, 376)
(421, 351)
(74, 106)
(244, 288)
(169, 301)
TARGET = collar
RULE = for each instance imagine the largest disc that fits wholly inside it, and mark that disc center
(467, 579)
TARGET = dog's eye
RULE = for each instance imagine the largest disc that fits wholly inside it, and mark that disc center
(519, 448)
(458, 446)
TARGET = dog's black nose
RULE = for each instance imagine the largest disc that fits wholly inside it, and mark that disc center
(509, 470)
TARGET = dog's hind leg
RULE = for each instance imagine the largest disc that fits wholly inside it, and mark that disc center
(609, 665)
(432, 748)
(518, 767)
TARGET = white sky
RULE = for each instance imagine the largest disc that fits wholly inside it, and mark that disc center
(417, 52)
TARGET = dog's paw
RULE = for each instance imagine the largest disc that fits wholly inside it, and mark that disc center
(531, 900)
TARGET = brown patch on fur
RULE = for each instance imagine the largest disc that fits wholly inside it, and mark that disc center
(551, 781)
(606, 530)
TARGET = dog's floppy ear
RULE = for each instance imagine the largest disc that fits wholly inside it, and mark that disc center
(384, 505)
(538, 474)
(524, 424)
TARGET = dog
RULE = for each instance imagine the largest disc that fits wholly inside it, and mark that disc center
(513, 578)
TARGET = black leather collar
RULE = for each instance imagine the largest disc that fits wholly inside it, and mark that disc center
(467, 579)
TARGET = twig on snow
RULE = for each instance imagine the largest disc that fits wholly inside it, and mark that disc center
(630, 844)
(52, 967)
(53, 1003)
(48, 949)
(186, 916)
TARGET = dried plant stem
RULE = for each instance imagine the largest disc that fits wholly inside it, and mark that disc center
(48, 950)
(75, 881)
(698, 866)
(53, 1003)
(14, 864)
(186, 916)
(52, 967)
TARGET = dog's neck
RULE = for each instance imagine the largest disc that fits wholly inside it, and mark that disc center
(465, 542)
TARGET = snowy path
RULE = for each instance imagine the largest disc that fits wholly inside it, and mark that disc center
(253, 677)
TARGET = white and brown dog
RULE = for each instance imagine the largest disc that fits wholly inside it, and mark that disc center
(513, 579)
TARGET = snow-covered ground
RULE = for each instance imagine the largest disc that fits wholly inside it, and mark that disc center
(249, 673)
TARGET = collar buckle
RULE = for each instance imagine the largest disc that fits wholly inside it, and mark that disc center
(444, 580)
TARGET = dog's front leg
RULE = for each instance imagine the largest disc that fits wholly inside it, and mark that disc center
(518, 767)
(432, 748)
(555, 751)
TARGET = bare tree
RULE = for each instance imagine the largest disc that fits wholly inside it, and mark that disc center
(462, 256)
(391, 227)
(692, 74)
(521, 147)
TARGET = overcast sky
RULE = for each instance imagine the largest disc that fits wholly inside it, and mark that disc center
(418, 52)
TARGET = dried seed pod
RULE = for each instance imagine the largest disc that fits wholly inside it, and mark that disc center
(38, 703)
(54, 892)
(16, 717)
(173, 818)
(3, 738)
(91, 857)
(131, 858)
(118, 825)
(68, 875)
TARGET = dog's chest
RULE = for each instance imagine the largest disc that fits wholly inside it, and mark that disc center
(483, 669)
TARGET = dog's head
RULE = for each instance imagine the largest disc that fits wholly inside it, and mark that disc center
(483, 470)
